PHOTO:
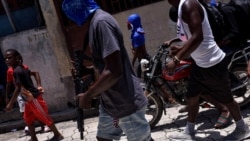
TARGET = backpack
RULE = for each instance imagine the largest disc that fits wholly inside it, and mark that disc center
(243, 14)
(243, 6)
(216, 19)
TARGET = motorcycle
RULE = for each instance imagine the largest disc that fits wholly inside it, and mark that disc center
(176, 82)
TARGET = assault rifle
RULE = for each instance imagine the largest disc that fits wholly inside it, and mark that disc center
(81, 85)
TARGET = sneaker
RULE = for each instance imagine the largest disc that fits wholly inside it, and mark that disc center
(182, 136)
(238, 134)
(26, 130)
(183, 109)
(45, 129)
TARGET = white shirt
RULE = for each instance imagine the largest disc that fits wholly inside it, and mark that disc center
(208, 53)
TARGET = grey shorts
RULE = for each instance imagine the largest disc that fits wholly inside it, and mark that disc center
(135, 126)
(213, 81)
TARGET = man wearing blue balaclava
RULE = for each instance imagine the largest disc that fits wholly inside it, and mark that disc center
(122, 102)
(140, 52)
(137, 40)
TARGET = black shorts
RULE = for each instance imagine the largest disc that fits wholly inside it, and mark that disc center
(213, 81)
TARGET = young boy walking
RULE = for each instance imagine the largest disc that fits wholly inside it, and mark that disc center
(20, 100)
(35, 106)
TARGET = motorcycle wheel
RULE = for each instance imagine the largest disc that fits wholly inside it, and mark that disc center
(154, 110)
(243, 99)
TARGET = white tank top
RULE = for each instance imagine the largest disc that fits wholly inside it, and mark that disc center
(208, 52)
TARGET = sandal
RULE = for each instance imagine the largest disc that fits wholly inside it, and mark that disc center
(184, 109)
(223, 120)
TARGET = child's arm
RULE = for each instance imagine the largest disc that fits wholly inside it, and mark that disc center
(13, 98)
(38, 80)
(37, 77)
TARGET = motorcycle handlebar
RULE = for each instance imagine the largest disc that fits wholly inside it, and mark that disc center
(169, 43)
(164, 46)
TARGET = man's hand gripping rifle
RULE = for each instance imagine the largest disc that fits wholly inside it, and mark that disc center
(83, 77)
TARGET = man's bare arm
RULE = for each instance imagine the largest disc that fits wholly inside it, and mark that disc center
(192, 15)
(109, 76)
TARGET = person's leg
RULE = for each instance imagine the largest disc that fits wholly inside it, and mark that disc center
(193, 108)
(21, 104)
(194, 90)
(29, 119)
(234, 109)
(139, 71)
(57, 134)
(26, 128)
(189, 131)
(136, 127)
(225, 116)
(106, 130)
(45, 128)
(32, 132)
(220, 89)
(242, 130)
(217, 104)
(40, 111)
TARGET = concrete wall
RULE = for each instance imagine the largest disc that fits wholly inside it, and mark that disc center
(37, 51)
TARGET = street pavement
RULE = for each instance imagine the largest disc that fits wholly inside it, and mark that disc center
(170, 123)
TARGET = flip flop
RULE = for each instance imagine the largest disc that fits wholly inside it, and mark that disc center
(183, 109)
(223, 120)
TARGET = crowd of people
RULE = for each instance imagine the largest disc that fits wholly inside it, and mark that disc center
(122, 100)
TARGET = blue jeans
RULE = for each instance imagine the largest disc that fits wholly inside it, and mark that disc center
(135, 126)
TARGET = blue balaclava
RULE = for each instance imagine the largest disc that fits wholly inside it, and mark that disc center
(137, 35)
(79, 10)
(135, 21)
